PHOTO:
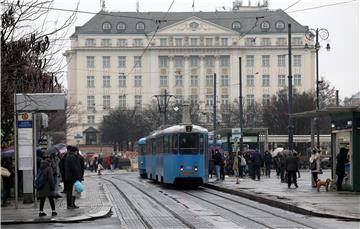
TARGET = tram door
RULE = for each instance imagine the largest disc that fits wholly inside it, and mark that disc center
(343, 139)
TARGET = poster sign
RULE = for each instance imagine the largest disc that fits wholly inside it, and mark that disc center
(25, 141)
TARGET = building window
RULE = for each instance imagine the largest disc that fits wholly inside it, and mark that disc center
(178, 42)
(297, 41)
(122, 61)
(179, 61)
(140, 26)
(281, 60)
(209, 42)
(250, 61)
(178, 80)
(265, 60)
(137, 42)
(266, 99)
(163, 81)
(224, 61)
(90, 61)
(265, 26)
(121, 42)
(106, 101)
(209, 61)
(122, 81)
(137, 81)
(106, 26)
(106, 81)
(224, 99)
(250, 100)
(90, 81)
(224, 80)
(265, 80)
(250, 41)
(281, 41)
(163, 61)
(137, 61)
(106, 61)
(90, 42)
(194, 60)
(163, 42)
(106, 42)
(90, 101)
(193, 41)
(224, 42)
(91, 119)
(265, 41)
(194, 81)
(193, 99)
(297, 80)
(138, 100)
(280, 25)
(236, 25)
(209, 100)
(250, 80)
(209, 80)
(122, 101)
(179, 99)
(297, 60)
(281, 80)
(121, 26)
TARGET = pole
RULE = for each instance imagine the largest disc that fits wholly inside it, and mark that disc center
(214, 106)
(337, 98)
(165, 107)
(16, 155)
(240, 107)
(290, 126)
(317, 47)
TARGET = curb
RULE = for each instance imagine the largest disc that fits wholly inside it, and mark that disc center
(277, 204)
(104, 212)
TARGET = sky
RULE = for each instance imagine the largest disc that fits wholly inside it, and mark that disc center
(340, 65)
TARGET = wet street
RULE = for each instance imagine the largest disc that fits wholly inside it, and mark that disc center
(139, 203)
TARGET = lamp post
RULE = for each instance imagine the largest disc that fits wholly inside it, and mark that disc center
(320, 35)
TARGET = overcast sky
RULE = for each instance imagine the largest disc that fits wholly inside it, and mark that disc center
(340, 66)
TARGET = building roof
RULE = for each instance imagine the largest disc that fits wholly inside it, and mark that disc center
(225, 19)
(326, 112)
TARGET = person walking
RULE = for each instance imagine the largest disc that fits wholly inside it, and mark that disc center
(315, 165)
(282, 167)
(217, 163)
(236, 167)
(291, 166)
(268, 162)
(8, 182)
(48, 187)
(340, 167)
(257, 161)
(72, 174)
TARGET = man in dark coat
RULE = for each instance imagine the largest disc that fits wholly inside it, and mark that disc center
(268, 162)
(73, 173)
(48, 190)
(291, 167)
(340, 167)
(257, 161)
(217, 163)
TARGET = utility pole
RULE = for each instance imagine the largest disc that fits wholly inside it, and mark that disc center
(290, 124)
(162, 111)
(240, 107)
(214, 119)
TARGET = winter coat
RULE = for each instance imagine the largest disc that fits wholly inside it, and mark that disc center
(268, 159)
(49, 187)
(340, 164)
(291, 163)
(218, 159)
(315, 157)
(72, 168)
(257, 158)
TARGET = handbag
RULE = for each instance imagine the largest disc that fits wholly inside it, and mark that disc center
(5, 172)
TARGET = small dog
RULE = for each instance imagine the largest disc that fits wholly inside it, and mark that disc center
(332, 185)
(325, 183)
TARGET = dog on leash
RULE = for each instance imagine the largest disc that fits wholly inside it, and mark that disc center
(325, 183)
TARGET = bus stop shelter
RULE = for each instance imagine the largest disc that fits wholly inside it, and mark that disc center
(345, 133)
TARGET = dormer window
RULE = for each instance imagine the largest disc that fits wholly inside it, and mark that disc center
(265, 26)
(280, 25)
(120, 26)
(236, 25)
(140, 26)
(106, 26)
(194, 25)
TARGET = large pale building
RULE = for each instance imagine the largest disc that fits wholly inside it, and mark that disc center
(125, 58)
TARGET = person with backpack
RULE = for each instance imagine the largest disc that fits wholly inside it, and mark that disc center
(45, 186)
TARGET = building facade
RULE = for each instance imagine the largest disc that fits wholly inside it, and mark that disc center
(125, 58)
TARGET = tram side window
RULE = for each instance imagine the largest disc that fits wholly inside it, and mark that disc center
(153, 146)
(166, 144)
(174, 144)
(201, 143)
(189, 143)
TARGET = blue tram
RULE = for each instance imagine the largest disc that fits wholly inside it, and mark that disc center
(177, 155)
(141, 157)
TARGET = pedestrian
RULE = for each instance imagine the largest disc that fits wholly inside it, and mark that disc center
(217, 163)
(268, 162)
(249, 163)
(282, 167)
(55, 161)
(291, 166)
(73, 173)
(257, 161)
(242, 162)
(211, 164)
(222, 168)
(315, 165)
(341, 159)
(48, 187)
(235, 167)
(62, 170)
(298, 161)
(8, 181)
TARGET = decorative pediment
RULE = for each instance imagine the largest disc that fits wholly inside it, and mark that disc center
(194, 26)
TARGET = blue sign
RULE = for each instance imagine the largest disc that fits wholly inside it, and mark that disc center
(25, 124)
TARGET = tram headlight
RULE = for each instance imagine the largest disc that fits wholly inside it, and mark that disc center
(181, 168)
(195, 168)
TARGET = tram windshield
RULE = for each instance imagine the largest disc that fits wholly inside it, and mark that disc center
(191, 143)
